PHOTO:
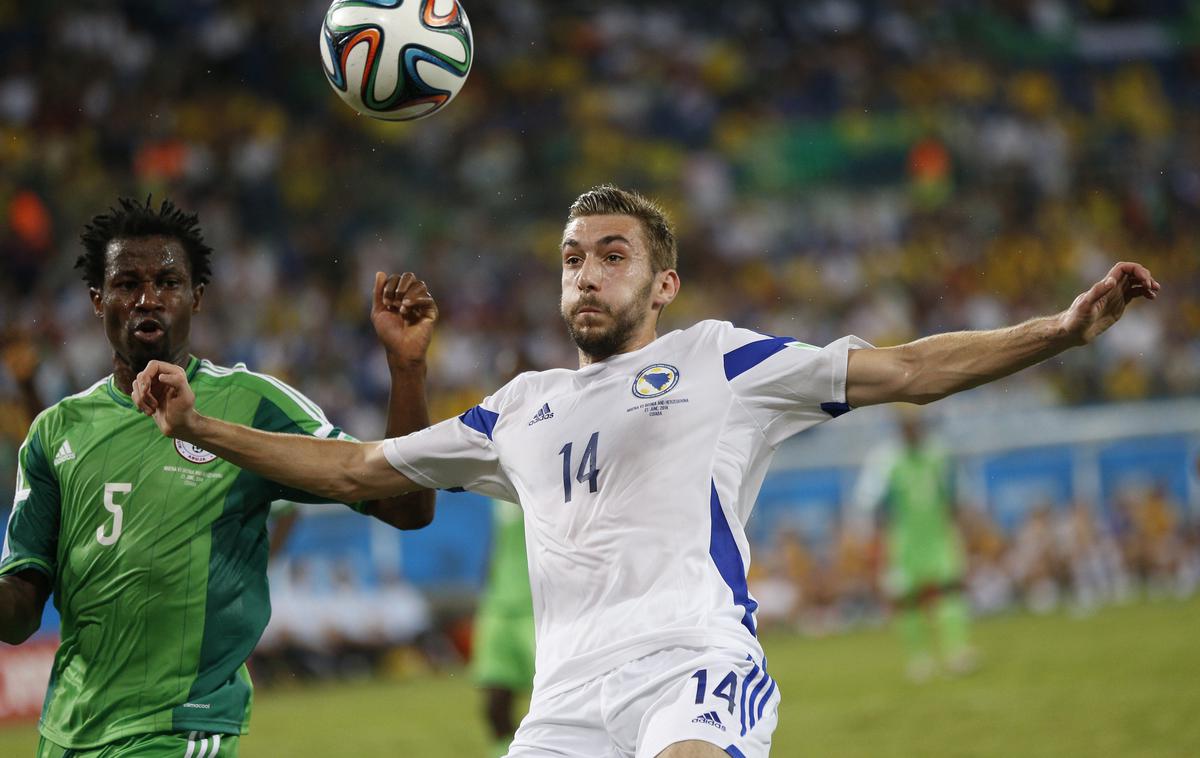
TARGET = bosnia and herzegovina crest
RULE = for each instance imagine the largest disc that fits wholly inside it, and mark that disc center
(654, 380)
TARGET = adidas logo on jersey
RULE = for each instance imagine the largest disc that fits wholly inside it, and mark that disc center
(711, 718)
(64, 454)
(543, 413)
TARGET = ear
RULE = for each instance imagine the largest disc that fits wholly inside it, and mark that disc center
(666, 287)
(97, 301)
(197, 296)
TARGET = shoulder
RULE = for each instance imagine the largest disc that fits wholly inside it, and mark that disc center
(724, 335)
(238, 376)
(706, 330)
(527, 384)
(210, 376)
(71, 409)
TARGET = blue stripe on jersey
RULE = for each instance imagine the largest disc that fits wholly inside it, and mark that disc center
(724, 551)
(481, 420)
(748, 356)
(745, 685)
(836, 409)
(734, 752)
(755, 693)
(762, 704)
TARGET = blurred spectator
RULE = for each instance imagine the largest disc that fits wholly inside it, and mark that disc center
(989, 583)
(1096, 572)
(1037, 564)
(1153, 540)
(327, 622)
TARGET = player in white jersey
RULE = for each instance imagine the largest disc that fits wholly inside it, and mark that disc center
(637, 473)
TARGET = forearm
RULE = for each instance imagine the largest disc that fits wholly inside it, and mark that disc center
(934, 367)
(949, 363)
(407, 412)
(337, 469)
(20, 609)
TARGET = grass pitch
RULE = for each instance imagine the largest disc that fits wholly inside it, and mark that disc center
(1124, 682)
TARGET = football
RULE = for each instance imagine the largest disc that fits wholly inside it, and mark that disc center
(396, 60)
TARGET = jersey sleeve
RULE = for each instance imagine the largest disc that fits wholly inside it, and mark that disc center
(785, 384)
(31, 540)
(458, 453)
(282, 408)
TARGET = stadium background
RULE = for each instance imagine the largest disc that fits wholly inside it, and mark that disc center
(884, 169)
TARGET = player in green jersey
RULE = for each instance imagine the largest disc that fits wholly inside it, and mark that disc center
(503, 645)
(156, 550)
(925, 560)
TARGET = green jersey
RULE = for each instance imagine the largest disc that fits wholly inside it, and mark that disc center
(507, 592)
(157, 553)
(919, 513)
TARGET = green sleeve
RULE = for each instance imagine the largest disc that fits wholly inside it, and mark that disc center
(32, 537)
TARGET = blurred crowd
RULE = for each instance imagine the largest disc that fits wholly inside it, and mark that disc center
(840, 166)
(1067, 556)
(328, 620)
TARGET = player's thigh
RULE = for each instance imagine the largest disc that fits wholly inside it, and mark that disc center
(729, 701)
(567, 725)
(693, 749)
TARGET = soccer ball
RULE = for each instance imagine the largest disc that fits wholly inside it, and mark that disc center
(396, 59)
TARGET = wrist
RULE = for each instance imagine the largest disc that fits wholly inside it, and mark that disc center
(191, 427)
(399, 364)
(1060, 332)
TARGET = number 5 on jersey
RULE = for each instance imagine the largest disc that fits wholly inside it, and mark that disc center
(588, 471)
(113, 507)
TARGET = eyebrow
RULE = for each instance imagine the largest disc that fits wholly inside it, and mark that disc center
(173, 268)
(572, 242)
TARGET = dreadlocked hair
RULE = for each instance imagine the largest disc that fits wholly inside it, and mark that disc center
(132, 219)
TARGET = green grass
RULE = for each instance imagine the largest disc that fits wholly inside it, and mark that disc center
(1124, 682)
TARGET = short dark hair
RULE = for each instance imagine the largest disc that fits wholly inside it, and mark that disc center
(132, 219)
(609, 200)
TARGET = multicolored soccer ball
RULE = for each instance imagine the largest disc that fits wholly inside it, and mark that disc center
(396, 59)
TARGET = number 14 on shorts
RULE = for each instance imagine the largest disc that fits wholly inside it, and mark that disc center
(744, 694)
(726, 690)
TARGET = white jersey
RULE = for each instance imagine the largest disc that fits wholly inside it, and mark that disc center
(637, 475)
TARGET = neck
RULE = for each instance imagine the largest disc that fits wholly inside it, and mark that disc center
(634, 343)
(124, 373)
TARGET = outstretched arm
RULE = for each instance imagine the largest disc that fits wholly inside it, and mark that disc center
(340, 470)
(934, 367)
(22, 597)
(403, 313)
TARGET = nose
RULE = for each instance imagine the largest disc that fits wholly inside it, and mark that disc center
(149, 298)
(589, 274)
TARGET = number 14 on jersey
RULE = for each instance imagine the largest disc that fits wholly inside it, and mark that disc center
(588, 471)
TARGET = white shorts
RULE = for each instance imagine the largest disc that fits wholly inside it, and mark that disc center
(722, 697)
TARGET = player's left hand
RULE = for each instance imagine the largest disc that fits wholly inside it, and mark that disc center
(1094, 311)
(403, 313)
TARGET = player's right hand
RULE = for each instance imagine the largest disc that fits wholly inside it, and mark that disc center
(403, 312)
(161, 391)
